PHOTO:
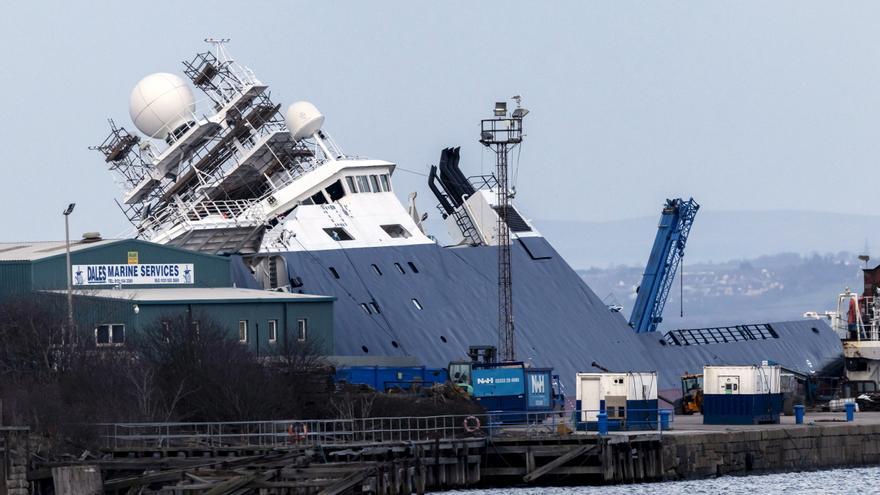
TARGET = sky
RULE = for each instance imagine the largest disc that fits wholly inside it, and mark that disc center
(743, 105)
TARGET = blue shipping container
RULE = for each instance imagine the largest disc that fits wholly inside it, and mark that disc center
(745, 409)
(497, 382)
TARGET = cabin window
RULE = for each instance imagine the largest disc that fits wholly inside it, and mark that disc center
(335, 191)
(363, 184)
(302, 329)
(338, 234)
(366, 309)
(376, 269)
(243, 331)
(396, 231)
(374, 181)
(318, 198)
(386, 183)
(375, 307)
(351, 187)
(417, 304)
(399, 268)
(273, 331)
(334, 272)
(412, 266)
(110, 334)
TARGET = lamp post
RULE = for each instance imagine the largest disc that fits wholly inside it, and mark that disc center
(67, 213)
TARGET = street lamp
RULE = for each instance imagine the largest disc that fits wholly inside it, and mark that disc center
(67, 213)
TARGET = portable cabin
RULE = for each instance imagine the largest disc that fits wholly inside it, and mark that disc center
(513, 391)
(737, 395)
(629, 399)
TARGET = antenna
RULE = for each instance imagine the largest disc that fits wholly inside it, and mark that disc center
(503, 133)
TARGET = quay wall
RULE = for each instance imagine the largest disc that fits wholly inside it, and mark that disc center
(706, 454)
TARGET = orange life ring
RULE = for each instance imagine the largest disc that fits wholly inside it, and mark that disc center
(471, 424)
(297, 431)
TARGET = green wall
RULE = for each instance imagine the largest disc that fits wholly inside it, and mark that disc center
(93, 311)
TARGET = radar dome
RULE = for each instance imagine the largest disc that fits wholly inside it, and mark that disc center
(303, 119)
(160, 103)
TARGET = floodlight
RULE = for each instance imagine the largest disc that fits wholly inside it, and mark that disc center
(500, 108)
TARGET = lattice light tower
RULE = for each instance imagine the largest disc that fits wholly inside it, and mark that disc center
(503, 133)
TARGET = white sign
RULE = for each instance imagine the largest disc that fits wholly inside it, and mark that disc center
(135, 274)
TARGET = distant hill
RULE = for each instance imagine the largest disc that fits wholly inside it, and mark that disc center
(764, 289)
(716, 236)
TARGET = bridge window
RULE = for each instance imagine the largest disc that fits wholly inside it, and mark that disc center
(318, 198)
(335, 191)
(351, 187)
(363, 184)
(374, 181)
(396, 231)
(386, 183)
(338, 234)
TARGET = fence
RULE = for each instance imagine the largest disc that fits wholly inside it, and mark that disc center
(292, 433)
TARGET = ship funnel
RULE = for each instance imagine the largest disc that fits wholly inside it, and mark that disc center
(160, 104)
(303, 120)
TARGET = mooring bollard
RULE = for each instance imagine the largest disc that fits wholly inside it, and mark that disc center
(850, 411)
(603, 423)
(664, 419)
(799, 414)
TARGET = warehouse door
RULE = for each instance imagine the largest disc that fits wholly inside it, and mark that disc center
(728, 384)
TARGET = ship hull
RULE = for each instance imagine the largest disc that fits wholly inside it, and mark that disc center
(451, 303)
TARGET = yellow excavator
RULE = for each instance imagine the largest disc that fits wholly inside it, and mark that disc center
(691, 394)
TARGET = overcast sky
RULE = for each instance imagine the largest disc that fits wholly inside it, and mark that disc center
(743, 105)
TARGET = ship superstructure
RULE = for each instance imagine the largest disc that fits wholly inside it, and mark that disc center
(232, 174)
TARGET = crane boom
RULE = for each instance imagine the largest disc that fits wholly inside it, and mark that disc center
(672, 233)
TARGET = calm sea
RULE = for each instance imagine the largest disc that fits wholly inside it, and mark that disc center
(861, 480)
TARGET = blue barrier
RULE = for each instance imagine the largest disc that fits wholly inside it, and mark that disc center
(799, 414)
(850, 411)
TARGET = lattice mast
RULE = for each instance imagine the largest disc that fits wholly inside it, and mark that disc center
(501, 134)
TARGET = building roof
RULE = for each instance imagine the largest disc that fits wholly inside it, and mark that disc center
(209, 295)
(30, 251)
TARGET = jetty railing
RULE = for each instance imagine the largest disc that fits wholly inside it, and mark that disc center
(295, 432)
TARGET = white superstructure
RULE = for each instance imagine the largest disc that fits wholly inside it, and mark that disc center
(230, 174)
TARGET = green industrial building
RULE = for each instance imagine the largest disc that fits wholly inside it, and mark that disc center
(123, 286)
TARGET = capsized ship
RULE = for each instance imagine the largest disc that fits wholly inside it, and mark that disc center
(235, 175)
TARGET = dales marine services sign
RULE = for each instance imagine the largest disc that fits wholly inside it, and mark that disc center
(134, 274)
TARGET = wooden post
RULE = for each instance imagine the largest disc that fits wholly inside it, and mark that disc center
(78, 480)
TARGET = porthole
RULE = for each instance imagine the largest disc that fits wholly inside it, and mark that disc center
(334, 272)
(399, 268)
(443, 338)
(417, 304)
(376, 269)
(366, 308)
(375, 307)
(815, 330)
(412, 266)
(395, 344)
(364, 348)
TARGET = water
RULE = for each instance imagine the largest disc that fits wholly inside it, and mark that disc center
(843, 481)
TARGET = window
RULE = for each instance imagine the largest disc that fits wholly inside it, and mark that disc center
(334, 272)
(417, 304)
(273, 331)
(374, 181)
(375, 307)
(376, 269)
(110, 334)
(396, 231)
(366, 309)
(386, 184)
(399, 268)
(412, 266)
(302, 329)
(363, 184)
(351, 187)
(242, 331)
(335, 191)
(318, 198)
(338, 234)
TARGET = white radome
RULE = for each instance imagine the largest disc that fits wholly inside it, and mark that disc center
(303, 119)
(160, 103)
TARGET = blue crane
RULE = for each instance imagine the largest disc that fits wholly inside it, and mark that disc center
(672, 233)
